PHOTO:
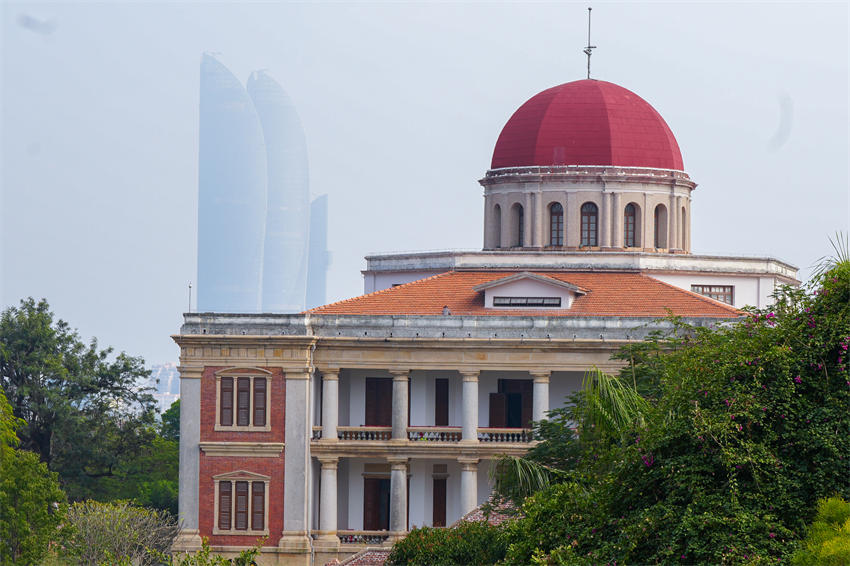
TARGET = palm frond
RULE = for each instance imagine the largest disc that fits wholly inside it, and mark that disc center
(841, 248)
(516, 478)
(612, 405)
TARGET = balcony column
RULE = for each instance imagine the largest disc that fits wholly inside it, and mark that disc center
(328, 540)
(398, 498)
(330, 404)
(540, 395)
(401, 380)
(468, 484)
(469, 432)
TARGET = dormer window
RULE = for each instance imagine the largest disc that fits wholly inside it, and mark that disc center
(526, 302)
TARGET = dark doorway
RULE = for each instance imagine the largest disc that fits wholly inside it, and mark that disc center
(439, 518)
(379, 401)
(441, 402)
(376, 504)
(511, 406)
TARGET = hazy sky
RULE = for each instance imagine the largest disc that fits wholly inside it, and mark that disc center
(401, 105)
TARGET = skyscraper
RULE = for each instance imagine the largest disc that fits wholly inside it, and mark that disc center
(254, 204)
(231, 194)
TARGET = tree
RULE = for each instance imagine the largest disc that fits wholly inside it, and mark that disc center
(32, 507)
(170, 427)
(744, 428)
(84, 410)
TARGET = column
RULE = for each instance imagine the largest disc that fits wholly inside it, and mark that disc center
(617, 222)
(681, 225)
(540, 395)
(330, 404)
(296, 488)
(398, 497)
(401, 382)
(190, 437)
(328, 540)
(469, 432)
(468, 484)
(605, 221)
(672, 223)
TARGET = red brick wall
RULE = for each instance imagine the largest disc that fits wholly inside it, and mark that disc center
(212, 466)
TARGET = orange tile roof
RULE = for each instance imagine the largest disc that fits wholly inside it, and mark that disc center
(609, 294)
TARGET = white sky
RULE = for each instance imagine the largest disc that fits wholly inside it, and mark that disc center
(401, 105)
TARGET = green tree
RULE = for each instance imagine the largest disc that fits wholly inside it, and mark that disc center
(169, 428)
(85, 413)
(827, 540)
(32, 507)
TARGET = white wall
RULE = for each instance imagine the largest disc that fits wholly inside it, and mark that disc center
(749, 290)
(528, 288)
(376, 281)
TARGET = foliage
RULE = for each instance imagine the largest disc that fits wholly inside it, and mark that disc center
(9, 424)
(205, 557)
(112, 532)
(827, 540)
(169, 428)
(468, 543)
(32, 507)
(741, 430)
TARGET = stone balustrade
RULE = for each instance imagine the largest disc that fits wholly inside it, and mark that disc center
(365, 432)
(434, 433)
(363, 537)
(511, 435)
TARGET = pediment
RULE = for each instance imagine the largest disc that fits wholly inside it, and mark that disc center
(526, 275)
(242, 475)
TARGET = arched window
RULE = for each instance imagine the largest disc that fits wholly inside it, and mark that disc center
(517, 225)
(660, 226)
(497, 226)
(629, 218)
(556, 224)
(589, 216)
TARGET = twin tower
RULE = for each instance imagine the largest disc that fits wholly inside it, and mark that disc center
(262, 245)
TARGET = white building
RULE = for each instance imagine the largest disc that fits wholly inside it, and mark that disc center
(345, 425)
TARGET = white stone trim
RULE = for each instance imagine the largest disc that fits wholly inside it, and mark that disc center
(243, 449)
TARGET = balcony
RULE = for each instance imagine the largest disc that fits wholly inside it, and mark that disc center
(437, 434)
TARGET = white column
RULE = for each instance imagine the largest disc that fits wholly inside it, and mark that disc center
(398, 498)
(328, 505)
(469, 432)
(297, 435)
(672, 223)
(540, 395)
(468, 484)
(617, 222)
(401, 381)
(330, 405)
(189, 457)
(605, 221)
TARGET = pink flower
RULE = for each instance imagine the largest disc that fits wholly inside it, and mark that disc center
(772, 535)
(798, 379)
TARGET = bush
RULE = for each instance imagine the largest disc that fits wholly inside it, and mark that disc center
(101, 533)
(828, 538)
(469, 543)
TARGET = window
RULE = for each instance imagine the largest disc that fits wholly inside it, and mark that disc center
(243, 402)
(722, 293)
(518, 225)
(524, 302)
(556, 224)
(660, 226)
(629, 217)
(589, 215)
(240, 503)
(497, 226)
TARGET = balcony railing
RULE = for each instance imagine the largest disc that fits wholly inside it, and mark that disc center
(434, 433)
(429, 434)
(511, 435)
(364, 432)
(362, 537)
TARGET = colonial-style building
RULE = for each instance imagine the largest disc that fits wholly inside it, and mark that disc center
(346, 425)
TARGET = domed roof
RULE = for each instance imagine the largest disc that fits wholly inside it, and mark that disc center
(587, 122)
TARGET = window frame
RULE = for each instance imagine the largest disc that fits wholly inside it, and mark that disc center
(705, 290)
(232, 478)
(556, 225)
(585, 226)
(630, 226)
(252, 374)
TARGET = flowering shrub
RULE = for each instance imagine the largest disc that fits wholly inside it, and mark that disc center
(746, 427)
(468, 543)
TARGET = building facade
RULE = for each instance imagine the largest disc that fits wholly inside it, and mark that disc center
(344, 426)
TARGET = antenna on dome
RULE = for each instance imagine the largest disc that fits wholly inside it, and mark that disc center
(589, 49)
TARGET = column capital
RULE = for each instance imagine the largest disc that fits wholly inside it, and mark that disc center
(540, 376)
(400, 374)
(398, 463)
(330, 374)
(298, 374)
(328, 462)
(190, 372)
(469, 374)
(468, 464)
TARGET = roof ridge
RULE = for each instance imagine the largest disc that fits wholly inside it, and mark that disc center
(709, 300)
(378, 292)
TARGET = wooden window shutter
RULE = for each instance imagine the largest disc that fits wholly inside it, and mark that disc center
(243, 401)
(241, 506)
(439, 516)
(371, 489)
(258, 505)
(224, 503)
(498, 410)
(527, 402)
(441, 402)
(226, 398)
(260, 402)
(385, 402)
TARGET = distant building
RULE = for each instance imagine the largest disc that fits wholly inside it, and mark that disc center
(165, 379)
(339, 428)
(253, 197)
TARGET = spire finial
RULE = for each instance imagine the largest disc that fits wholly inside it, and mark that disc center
(589, 49)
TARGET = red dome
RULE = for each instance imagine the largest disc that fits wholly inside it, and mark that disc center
(587, 122)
